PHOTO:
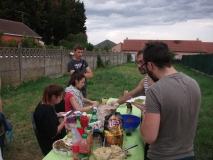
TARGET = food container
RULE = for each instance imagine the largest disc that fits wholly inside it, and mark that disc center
(60, 145)
(104, 152)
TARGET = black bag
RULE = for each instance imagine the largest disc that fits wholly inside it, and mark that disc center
(7, 124)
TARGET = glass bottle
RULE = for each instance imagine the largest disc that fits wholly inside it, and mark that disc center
(94, 117)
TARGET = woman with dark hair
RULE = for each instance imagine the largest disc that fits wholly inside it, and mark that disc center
(74, 99)
(46, 119)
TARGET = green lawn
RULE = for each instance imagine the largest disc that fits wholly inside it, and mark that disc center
(19, 102)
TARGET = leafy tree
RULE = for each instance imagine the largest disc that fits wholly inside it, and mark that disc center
(53, 20)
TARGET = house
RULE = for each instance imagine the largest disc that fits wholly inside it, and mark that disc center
(118, 47)
(180, 47)
(13, 30)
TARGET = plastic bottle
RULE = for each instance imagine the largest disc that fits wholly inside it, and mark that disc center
(84, 120)
(76, 138)
(94, 117)
(75, 151)
(129, 108)
(84, 148)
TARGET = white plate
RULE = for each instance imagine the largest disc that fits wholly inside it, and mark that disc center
(61, 152)
(139, 97)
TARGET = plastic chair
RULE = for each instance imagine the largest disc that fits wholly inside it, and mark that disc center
(43, 149)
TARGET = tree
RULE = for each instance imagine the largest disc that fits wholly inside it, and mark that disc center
(53, 20)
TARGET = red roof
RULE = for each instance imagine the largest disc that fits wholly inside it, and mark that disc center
(209, 47)
(187, 46)
(16, 29)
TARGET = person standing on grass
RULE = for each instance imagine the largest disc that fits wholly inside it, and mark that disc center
(139, 90)
(78, 64)
(172, 107)
(46, 119)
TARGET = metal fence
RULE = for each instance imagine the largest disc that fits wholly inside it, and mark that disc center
(200, 62)
(24, 64)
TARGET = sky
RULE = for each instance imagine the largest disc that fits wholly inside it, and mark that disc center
(117, 20)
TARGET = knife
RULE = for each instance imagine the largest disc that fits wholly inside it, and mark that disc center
(68, 114)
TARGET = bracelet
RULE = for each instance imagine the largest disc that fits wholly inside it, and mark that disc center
(90, 107)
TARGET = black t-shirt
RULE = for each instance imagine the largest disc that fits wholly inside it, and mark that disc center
(47, 125)
(80, 66)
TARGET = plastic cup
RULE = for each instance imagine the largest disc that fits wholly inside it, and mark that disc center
(96, 142)
(104, 101)
(125, 92)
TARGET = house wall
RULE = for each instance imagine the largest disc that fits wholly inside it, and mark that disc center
(16, 38)
(117, 48)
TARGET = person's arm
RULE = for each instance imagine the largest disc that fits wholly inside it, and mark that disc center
(88, 73)
(93, 103)
(150, 127)
(76, 106)
(60, 127)
(135, 92)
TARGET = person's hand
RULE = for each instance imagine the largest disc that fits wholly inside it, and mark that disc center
(95, 103)
(61, 114)
(142, 107)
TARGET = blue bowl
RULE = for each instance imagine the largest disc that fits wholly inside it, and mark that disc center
(130, 122)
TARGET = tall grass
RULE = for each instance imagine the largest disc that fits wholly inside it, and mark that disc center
(19, 102)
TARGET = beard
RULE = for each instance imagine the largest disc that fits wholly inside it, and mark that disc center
(142, 71)
(151, 75)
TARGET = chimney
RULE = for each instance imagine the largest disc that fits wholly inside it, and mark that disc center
(126, 38)
(197, 39)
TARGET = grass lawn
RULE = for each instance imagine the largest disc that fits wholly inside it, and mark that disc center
(19, 102)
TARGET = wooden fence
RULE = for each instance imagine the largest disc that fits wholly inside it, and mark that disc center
(19, 65)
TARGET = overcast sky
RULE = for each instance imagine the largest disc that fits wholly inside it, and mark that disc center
(151, 19)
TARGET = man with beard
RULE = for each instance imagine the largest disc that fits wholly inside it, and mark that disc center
(138, 91)
(78, 64)
(142, 86)
(172, 107)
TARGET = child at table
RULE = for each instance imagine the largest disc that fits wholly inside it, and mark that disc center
(46, 119)
(74, 99)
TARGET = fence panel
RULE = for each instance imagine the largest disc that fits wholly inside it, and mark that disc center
(23, 64)
(202, 63)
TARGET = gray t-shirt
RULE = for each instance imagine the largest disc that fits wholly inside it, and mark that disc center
(177, 99)
(80, 65)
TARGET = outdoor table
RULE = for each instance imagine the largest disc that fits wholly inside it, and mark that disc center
(135, 138)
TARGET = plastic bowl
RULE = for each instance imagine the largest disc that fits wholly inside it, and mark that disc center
(130, 122)
(59, 151)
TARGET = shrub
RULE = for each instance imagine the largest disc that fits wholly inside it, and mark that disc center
(129, 58)
(100, 63)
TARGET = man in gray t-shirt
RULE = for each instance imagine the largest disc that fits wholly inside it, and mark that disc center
(78, 64)
(172, 107)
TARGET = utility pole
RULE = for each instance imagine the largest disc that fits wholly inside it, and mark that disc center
(22, 15)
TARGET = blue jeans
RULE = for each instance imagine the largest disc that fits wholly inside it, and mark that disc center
(186, 158)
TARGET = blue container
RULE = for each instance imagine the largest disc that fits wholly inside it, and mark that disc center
(130, 122)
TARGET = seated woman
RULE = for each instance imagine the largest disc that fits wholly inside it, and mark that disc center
(74, 98)
(46, 119)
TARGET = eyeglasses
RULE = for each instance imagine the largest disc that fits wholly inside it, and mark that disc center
(141, 63)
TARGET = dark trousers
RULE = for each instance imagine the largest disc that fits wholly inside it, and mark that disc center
(145, 150)
(186, 158)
